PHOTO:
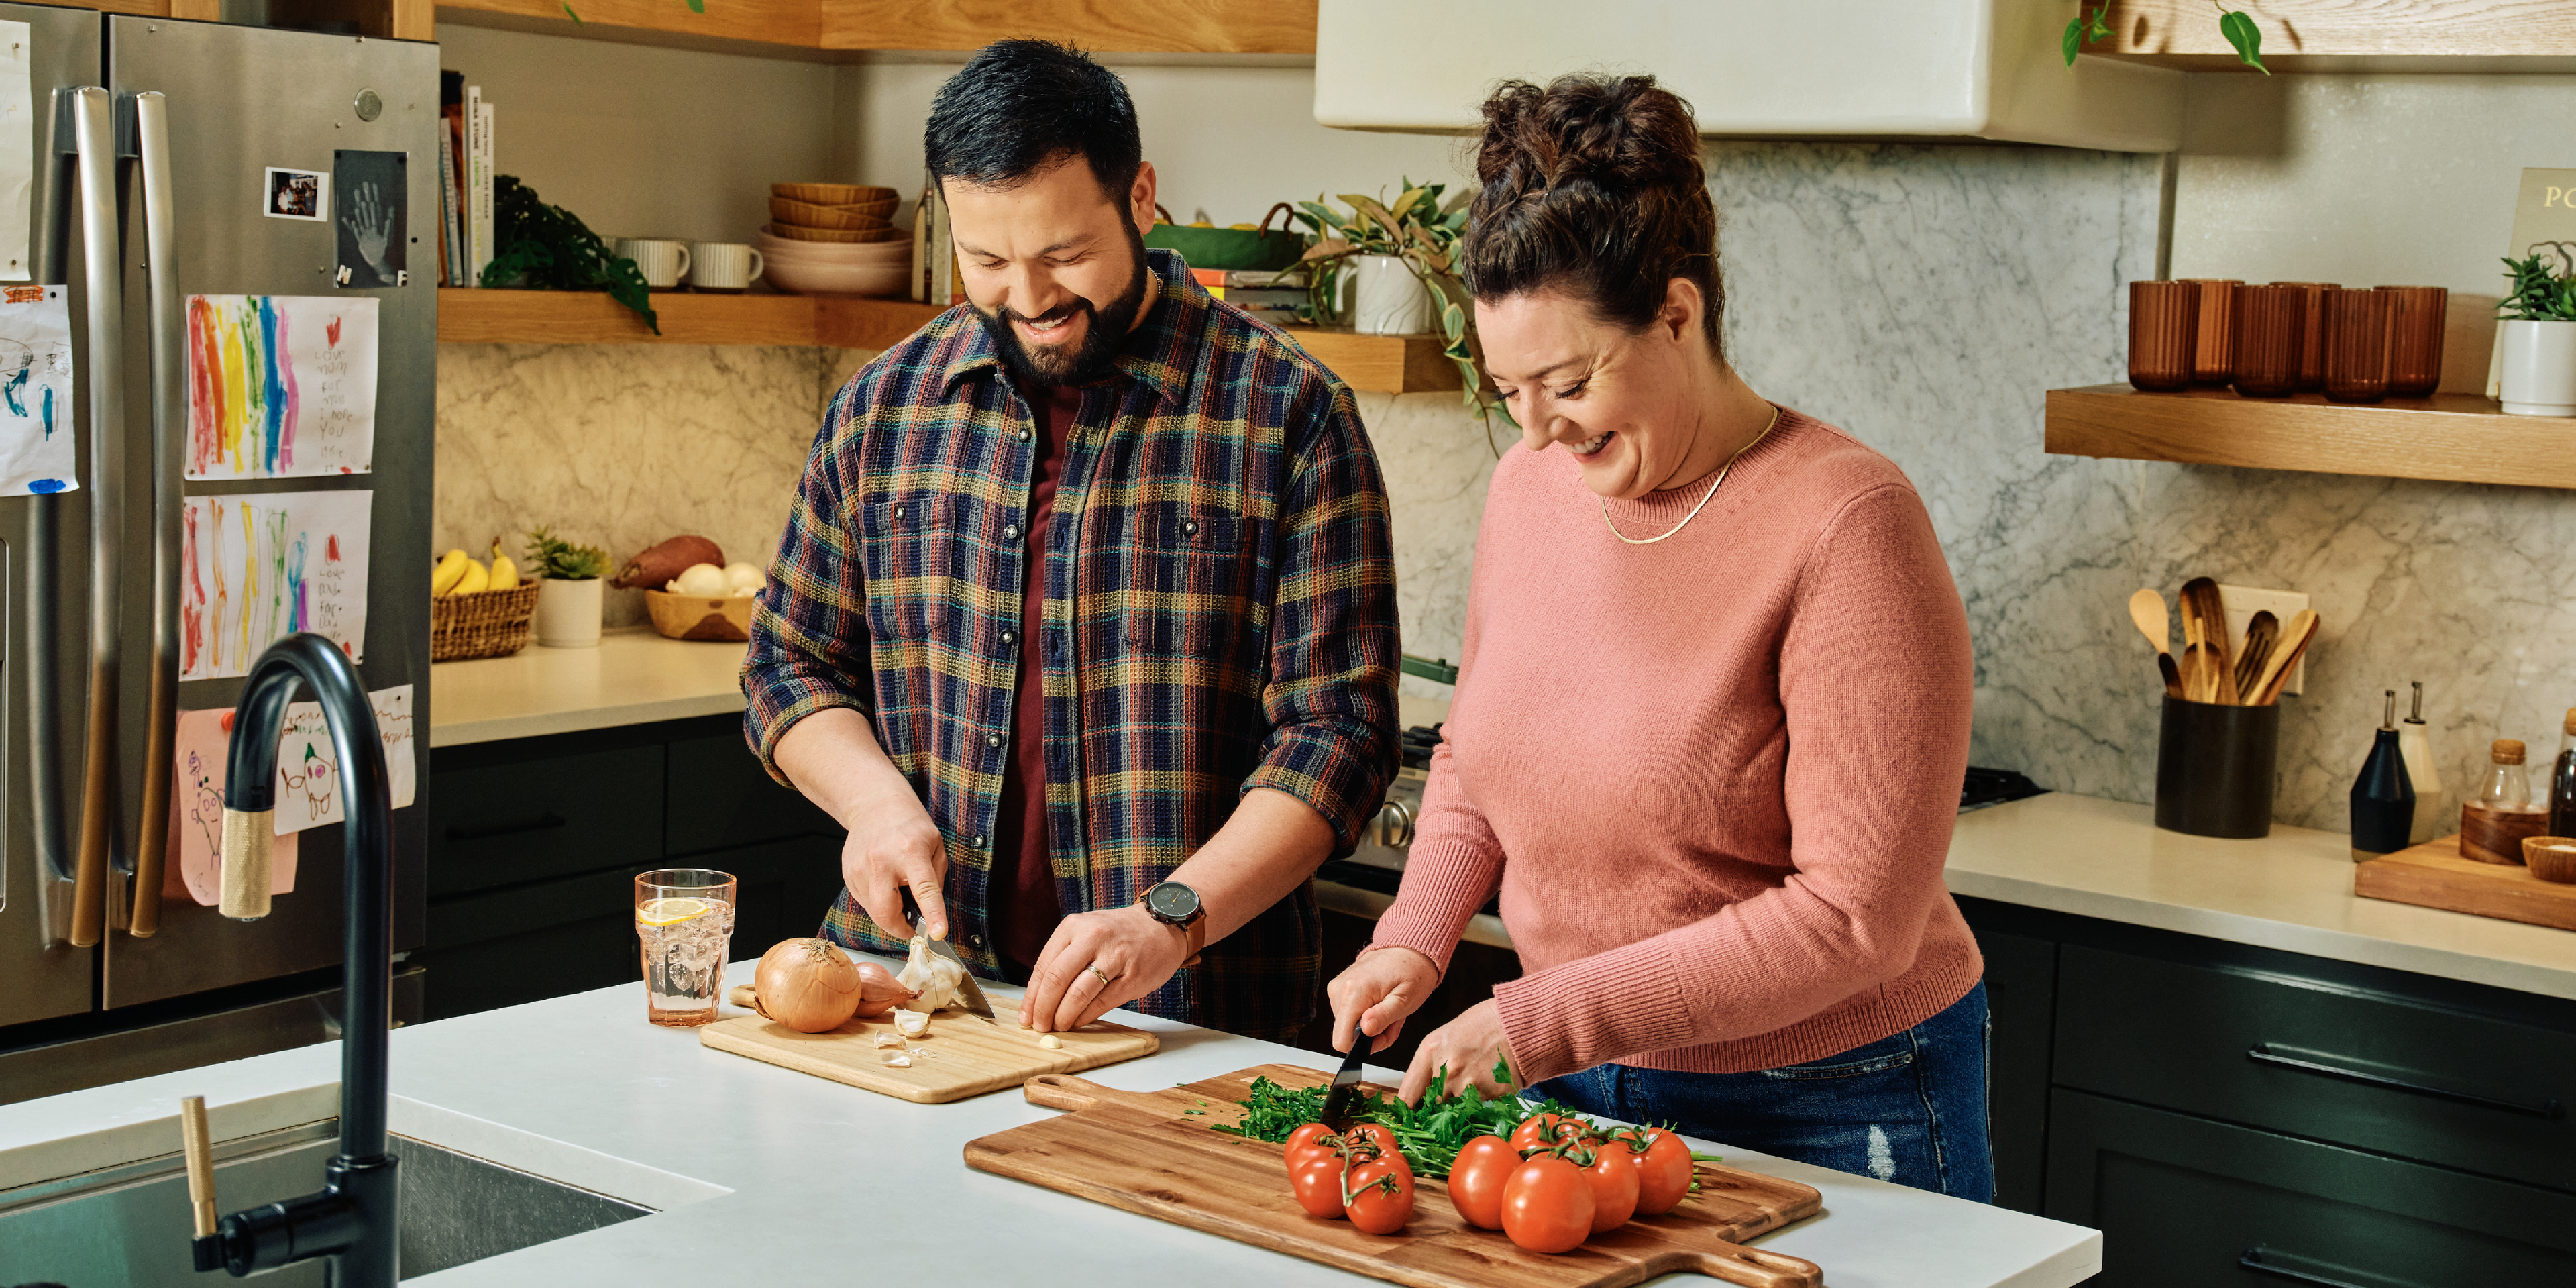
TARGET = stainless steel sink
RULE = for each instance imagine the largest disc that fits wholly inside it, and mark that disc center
(129, 1224)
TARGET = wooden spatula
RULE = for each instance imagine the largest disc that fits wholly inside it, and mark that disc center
(2205, 616)
(2259, 636)
(2147, 613)
(2294, 641)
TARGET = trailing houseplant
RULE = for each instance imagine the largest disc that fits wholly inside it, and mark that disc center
(2538, 335)
(549, 248)
(2089, 28)
(1422, 231)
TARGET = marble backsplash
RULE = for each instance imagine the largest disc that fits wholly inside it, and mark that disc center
(1923, 297)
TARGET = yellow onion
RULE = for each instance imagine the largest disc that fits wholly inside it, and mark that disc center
(808, 985)
(879, 990)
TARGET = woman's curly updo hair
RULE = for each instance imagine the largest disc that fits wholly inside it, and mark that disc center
(1593, 186)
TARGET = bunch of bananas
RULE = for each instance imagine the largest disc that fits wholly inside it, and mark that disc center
(460, 574)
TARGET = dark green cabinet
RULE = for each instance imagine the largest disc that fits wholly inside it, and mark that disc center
(2233, 1114)
(537, 841)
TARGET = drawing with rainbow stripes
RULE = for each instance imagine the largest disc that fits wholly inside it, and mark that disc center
(257, 567)
(280, 385)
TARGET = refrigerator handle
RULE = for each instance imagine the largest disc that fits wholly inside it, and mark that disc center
(54, 864)
(169, 420)
(94, 139)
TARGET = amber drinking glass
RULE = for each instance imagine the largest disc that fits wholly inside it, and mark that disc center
(684, 916)
(2163, 318)
(2415, 318)
(2312, 334)
(2270, 321)
(2357, 345)
(2213, 350)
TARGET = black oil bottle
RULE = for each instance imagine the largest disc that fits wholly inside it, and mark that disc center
(2562, 780)
(2383, 799)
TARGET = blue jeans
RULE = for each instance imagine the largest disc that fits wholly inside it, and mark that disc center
(1909, 1108)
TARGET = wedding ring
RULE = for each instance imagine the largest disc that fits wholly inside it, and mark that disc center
(1094, 969)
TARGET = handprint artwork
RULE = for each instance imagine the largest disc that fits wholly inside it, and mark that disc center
(366, 219)
(371, 219)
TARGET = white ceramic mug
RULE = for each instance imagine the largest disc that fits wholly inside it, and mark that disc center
(663, 262)
(723, 266)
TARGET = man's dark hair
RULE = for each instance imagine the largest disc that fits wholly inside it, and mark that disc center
(1020, 106)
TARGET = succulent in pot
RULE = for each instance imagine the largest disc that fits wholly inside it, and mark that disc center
(2537, 338)
(568, 610)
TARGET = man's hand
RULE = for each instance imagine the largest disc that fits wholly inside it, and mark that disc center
(1468, 1047)
(894, 847)
(1375, 995)
(1096, 962)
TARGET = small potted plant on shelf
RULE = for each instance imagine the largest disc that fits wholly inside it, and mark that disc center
(1398, 263)
(2538, 336)
(568, 612)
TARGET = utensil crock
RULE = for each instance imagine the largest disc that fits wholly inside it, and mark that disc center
(2214, 769)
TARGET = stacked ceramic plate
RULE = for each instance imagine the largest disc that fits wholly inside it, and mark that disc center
(835, 239)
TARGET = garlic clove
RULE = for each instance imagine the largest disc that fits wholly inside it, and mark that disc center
(889, 1039)
(912, 1024)
(1051, 1042)
(898, 1060)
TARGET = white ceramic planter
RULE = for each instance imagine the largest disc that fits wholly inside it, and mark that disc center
(568, 613)
(1386, 298)
(2539, 376)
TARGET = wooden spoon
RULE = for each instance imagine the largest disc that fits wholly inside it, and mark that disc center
(2294, 641)
(2205, 616)
(2259, 636)
(2147, 612)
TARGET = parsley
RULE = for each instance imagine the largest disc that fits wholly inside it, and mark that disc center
(1430, 1134)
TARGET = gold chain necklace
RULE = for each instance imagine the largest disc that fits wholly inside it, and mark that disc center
(1703, 500)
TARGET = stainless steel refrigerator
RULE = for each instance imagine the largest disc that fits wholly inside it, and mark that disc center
(158, 146)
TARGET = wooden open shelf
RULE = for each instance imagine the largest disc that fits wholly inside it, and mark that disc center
(1395, 364)
(1274, 27)
(2464, 36)
(2450, 437)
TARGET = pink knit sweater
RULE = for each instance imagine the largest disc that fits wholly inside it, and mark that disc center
(1714, 777)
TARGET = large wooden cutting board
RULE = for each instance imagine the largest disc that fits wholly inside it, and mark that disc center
(973, 1056)
(1145, 1152)
(2434, 875)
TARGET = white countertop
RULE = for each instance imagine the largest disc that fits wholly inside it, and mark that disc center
(2291, 890)
(796, 1179)
(633, 677)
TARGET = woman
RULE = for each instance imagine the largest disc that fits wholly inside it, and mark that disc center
(1713, 707)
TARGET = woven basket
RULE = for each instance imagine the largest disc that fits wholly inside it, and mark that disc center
(488, 623)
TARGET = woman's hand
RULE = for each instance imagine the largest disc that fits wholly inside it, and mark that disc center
(1469, 1047)
(1377, 992)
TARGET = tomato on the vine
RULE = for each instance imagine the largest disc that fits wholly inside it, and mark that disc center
(1547, 1205)
(1476, 1180)
(1614, 1187)
(1663, 1170)
(1378, 1194)
(1311, 1138)
(1380, 1135)
(1544, 1129)
(1317, 1182)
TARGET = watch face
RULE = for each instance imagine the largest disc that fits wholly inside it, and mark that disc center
(1173, 901)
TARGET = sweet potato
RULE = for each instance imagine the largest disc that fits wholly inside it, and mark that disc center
(665, 561)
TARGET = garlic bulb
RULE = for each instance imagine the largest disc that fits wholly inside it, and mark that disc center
(933, 976)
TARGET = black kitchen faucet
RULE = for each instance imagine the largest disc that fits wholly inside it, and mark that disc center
(352, 1217)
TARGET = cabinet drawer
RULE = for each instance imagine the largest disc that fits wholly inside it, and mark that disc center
(720, 796)
(2182, 1200)
(2372, 1070)
(529, 820)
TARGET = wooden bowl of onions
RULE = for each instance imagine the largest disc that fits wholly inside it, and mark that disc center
(811, 986)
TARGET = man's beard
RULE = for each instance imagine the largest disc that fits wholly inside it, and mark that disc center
(1051, 366)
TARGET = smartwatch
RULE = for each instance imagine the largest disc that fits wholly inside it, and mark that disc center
(1177, 905)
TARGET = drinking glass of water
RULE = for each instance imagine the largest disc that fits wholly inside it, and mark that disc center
(685, 917)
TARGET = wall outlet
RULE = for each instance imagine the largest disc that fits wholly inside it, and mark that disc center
(2242, 602)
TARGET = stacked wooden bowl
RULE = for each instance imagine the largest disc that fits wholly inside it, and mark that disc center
(835, 239)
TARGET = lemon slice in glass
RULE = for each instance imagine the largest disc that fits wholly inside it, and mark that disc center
(671, 911)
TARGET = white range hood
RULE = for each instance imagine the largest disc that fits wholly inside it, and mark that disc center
(1755, 69)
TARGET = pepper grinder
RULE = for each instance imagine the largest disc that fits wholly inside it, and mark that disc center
(2420, 771)
(2383, 800)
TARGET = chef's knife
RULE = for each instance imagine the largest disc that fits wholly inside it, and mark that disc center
(970, 994)
(1346, 1081)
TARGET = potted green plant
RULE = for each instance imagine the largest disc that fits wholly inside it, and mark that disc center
(1398, 262)
(2538, 335)
(2239, 29)
(568, 609)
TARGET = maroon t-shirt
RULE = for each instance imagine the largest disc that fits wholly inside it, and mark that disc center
(1023, 903)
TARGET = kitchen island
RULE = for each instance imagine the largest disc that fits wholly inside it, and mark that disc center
(765, 1175)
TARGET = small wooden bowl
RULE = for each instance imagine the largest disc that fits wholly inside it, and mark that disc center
(2551, 858)
(832, 194)
(700, 617)
(805, 214)
(798, 232)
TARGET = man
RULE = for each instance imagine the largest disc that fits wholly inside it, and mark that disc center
(1086, 596)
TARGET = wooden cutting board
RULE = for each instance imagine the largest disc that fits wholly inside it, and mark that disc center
(1145, 1152)
(2433, 874)
(972, 1057)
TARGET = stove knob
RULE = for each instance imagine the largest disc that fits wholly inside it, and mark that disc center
(1393, 827)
